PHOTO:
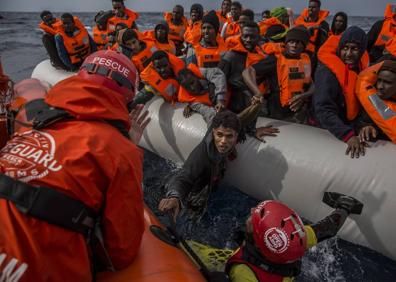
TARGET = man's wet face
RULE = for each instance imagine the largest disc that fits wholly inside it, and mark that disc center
(225, 139)
(226, 7)
(235, 13)
(119, 9)
(195, 15)
(208, 33)
(163, 67)
(339, 24)
(350, 53)
(250, 37)
(134, 45)
(294, 48)
(177, 13)
(386, 85)
(68, 24)
(313, 9)
(161, 33)
(49, 19)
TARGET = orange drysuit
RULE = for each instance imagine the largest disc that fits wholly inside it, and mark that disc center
(88, 159)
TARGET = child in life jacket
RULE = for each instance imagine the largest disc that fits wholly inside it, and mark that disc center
(276, 240)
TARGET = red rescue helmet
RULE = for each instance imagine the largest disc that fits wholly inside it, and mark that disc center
(113, 70)
(278, 232)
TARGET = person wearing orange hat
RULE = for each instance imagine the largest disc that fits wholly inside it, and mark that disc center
(59, 193)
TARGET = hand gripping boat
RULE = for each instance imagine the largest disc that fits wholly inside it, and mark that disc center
(296, 167)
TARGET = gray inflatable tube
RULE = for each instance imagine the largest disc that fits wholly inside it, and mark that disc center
(296, 167)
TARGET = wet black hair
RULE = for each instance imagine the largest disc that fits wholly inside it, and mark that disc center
(45, 13)
(249, 13)
(237, 4)
(227, 119)
(345, 16)
(252, 24)
(67, 16)
(158, 55)
(317, 1)
(128, 35)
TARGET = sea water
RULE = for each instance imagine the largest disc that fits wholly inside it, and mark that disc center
(333, 260)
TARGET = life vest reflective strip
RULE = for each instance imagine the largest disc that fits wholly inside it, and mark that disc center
(293, 76)
(301, 20)
(261, 275)
(209, 57)
(140, 60)
(388, 30)
(100, 37)
(168, 47)
(222, 19)
(54, 29)
(193, 33)
(168, 88)
(265, 24)
(346, 77)
(131, 17)
(186, 97)
(382, 112)
(232, 29)
(78, 46)
(176, 32)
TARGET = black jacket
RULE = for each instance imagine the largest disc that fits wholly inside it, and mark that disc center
(200, 174)
(329, 104)
(375, 52)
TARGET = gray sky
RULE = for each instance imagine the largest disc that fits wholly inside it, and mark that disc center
(351, 7)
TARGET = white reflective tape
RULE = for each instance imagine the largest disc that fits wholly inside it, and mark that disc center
(380, 106)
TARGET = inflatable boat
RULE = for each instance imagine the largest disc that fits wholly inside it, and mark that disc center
(296, 167)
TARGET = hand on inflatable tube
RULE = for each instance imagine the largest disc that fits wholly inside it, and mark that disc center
(170, 205)
(268, 130)
(356, 147)
(187, 111)
(139, 121)
(367, 133)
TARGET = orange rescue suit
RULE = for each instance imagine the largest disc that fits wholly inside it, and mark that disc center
(301, 21)
(208, 57)
(346, 77)
(129, 19)
(186, 97)
(168, 88)
(87, 159)
(193, 32)
(176, 32)
(78, 46)
(54, 29)
(382, 112)
(388, 30)
(293, 76)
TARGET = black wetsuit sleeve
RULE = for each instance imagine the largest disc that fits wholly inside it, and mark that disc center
(192, 171)
(330, 225)
(326, 103)
(372, 35)
(265, 67)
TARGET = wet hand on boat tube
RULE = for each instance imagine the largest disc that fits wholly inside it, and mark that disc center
(139, 121)
(170, 205)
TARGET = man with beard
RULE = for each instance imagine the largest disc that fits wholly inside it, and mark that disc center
(160, 37)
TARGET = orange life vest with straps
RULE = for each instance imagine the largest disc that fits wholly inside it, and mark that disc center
(273, 48)
(193, 32)
(232, 29)
(209, 57)
(140, 60)
(293, 76)
(222, 19)
(301, 20)
(388, 30)
(168, 47)
(100, 37)
(382, 112)
(176, 32)
(168, 88)
(53, 29)
(265, 24)
(346, 77)
(129, 18)
(186, 97)
(78, 46)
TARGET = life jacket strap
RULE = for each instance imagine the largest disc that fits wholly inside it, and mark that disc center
(48, 205)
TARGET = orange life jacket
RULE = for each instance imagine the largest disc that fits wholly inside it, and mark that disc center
(273, 48)
(209, 57)
(100, 37)
(54, 29)
(168, 47)
(193, 32)
(78, 46)
(265, 24)
(301, 20)
(391, 47)
(129, 19)
(232, 29)
(346, 77)
(388, 30)
(382, 112)
(168, 88)
(186, 97)
(140, 60)
(176, 32)
(222, 19)
(293, 76)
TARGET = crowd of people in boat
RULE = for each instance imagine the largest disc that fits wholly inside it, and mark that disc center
(76, 177)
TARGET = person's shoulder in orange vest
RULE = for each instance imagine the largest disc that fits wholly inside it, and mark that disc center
(48, 23)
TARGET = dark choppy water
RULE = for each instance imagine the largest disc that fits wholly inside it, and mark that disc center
(334, 260)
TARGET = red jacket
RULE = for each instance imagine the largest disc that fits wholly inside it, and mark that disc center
(87, 159)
